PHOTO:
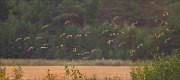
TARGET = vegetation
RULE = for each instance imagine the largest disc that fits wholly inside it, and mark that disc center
(3, 75)
(71, 73)
(162, 68)
(50, 76)
(18, 74)
(93, 29)
(45, 62)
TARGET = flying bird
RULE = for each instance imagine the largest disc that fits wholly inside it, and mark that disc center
(117, 17)
(113, 34)
(67, 22)
(120, 44)
(132, 52)
(104, 31)
(165, 14)
(26, 38)
(45, 44)
(161, 21)
(74, 49)
(18, 39)
(30, 48)
(140, 45)
(109, 41)
(77, 36)
(86, 34)
(122, 32)
(93, 50)
(69, 36)
(44, 27)
(43, 47)
(38, 37)
(170, 30)
(135, 23)
(86, 53)
(167, 40)
(62, 35)
(59, 46)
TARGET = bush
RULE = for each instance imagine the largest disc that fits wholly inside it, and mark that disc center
(74, 74)
(3, 75)
(18, 73)
(50, 76)
(161, 68)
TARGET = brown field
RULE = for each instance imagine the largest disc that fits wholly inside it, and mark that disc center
(101, 72)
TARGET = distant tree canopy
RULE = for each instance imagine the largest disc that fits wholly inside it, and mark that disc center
(4, 10)
(89, 29)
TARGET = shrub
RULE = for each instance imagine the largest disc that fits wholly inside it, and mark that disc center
(50, 76)
(3, 75)
(161, 68)
(114, 78)
(74, 74)
(18, 73)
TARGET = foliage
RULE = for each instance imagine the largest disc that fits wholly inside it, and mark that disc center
(74, 74)
(163, 68)
(114, 78)
(4, 10)
(3, 75)
(50, 76)
(18, 73)
(88, 29)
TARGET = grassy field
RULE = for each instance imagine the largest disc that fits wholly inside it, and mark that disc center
(44, 62)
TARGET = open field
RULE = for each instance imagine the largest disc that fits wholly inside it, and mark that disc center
(45, 62)
(37, 68)
(101, 72)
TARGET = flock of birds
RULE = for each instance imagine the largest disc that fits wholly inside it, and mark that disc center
(63, 35)
(109, 42)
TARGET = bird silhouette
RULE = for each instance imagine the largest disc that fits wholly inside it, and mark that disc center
(109, 41)
(30, 48)
(140, 45)
(44, 27)
(26, 38)
(18, 39)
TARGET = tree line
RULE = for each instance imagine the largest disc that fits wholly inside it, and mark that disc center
(93, 29)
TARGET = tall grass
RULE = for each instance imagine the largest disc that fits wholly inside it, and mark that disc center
(45, 62)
